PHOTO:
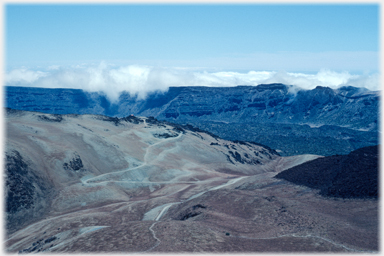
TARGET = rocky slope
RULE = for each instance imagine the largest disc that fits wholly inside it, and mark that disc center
(295, 139)
(280, 116)
(347, 176)
(91, 183)
(49, 153)
(268, 103)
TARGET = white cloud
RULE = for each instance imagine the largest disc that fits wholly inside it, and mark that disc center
(324, 77)
(371, 82)
(140, 79)
(23, 75)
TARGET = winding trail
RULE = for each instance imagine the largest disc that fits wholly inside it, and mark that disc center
(233, 181)
(154, 236)
(89, 181)
(168, 205)
(159, 211)
(164, 210)
(155, 213)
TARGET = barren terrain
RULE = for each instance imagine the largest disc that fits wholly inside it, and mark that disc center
(100, 184)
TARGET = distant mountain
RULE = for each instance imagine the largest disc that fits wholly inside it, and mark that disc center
(269, 103)
(285, 111)
(294, 139)
(347, 176)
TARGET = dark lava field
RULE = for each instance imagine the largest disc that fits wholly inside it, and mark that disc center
(344, 176)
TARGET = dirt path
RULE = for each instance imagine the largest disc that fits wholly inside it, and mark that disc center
(157, 213)
(89, 181)
(165, 208)
(233, 181)
(154, 236)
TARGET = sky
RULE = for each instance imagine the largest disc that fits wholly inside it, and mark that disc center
(145, 47)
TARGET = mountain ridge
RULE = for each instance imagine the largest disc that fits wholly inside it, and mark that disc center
(273, 103)
(275, 115)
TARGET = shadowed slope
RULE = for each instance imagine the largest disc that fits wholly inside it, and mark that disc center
(351, 176)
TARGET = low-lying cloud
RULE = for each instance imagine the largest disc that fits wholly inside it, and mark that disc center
(140, 80)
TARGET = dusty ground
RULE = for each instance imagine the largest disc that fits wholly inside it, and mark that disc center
(139, 192)
(242, 217)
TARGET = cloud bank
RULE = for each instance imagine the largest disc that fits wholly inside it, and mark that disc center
(140, 79)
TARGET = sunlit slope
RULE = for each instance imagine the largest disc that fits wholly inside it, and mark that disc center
(76, 161)
(100, 184)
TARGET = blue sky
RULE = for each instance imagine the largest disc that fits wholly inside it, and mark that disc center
(41, 39)
(51, 34)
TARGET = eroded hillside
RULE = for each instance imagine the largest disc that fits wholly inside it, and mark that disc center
(88, 183)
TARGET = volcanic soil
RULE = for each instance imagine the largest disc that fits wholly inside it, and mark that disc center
(147, 186)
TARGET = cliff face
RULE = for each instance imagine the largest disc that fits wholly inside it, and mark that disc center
(272, 103)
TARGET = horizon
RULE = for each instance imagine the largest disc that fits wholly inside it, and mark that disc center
(141, 48)
(240, 85)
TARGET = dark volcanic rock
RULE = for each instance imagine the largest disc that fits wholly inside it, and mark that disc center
(10, 111)
(21, 190)
(270, 150)
(39, 245)
(347, 176)
(75, 164)
(132, 119)
(164, 135)
(114, 120)
(191, 212)
(236, 156)
(27, 194)
(51, 118)
(152, 120)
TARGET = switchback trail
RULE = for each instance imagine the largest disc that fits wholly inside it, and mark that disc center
(89, 181)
